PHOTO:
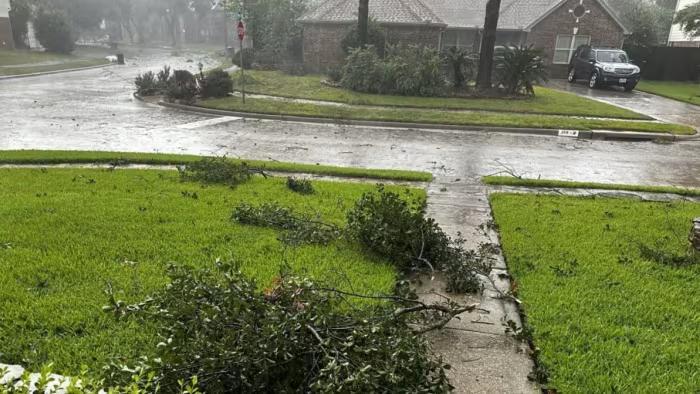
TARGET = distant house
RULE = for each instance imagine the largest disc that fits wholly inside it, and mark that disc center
(6, 41)
(679, 38)
(556, 26)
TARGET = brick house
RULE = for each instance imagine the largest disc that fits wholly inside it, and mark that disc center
(6, 41)
(558, 27)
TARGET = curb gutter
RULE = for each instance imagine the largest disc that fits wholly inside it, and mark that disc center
(3, 78)
(578, 134)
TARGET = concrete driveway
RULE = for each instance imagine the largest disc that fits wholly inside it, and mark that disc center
(657, 107)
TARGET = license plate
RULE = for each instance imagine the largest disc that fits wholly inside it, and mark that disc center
(623, 80)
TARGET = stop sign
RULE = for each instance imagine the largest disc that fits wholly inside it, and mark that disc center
(241, 30)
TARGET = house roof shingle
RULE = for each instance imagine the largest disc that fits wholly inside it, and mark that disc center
(515, 14)
(385, 11)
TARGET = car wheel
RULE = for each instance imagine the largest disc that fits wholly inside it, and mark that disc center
(572, 75)
(593, 82)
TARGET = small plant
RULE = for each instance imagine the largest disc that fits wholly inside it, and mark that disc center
(216, 83)
(461, 64)
(248, 58)
(163, 77)
(182, 86)
(301, 186)
(662, 256)
(217, 170)
(146, 84)
(298, 229)
(519, 69)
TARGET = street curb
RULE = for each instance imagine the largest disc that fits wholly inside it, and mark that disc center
(55, 72)
(579, 134)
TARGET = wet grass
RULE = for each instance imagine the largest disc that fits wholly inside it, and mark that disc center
(122, 158)
(549, 183)
(605, 318)
(688, 92)
(426, 116)
(18, 62)
(546, 101)
(65, 234)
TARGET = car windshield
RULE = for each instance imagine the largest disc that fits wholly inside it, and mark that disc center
(612, 57)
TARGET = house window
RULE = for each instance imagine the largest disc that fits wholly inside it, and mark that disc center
(454, 38)
(566, 45)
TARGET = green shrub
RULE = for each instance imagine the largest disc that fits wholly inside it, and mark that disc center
(216, 170)
(53, 31)
(363, 71)
(249, 58)
(335, 74)
(293, 337)
(301, 186)
(518, 69)
(399, 230)
(146, 84)
(216, 83)
(182, 86)
(375, 37)
(410, 70)
(414, 71)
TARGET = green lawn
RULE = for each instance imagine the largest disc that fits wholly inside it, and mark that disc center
(17, 62)
(688, 92)
(606, 319)
(412, 115)
(547, 101)
(549, 183)
(65, 234)
(90, 157)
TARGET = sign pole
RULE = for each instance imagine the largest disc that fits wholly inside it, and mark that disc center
(241, 37)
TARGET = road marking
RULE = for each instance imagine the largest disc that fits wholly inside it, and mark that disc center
(208, 122)
(568, 133)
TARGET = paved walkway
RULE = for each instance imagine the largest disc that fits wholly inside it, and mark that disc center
(657, 107)
(94, 110)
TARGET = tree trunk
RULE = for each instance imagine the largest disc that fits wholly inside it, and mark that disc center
(363, 23)
(488, 44)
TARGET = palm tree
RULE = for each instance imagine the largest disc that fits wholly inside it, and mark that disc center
(488, 44)
(363, 23)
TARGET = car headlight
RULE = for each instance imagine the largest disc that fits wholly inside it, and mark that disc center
(637, 70)
(608, 69)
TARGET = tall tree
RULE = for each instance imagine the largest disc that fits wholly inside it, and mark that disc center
(363, 23)
(649, 21)
(689, 19)
(488, 44)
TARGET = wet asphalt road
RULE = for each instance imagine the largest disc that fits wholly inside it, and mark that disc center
(94, 110)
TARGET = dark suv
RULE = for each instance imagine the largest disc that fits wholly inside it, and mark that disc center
(603, 67)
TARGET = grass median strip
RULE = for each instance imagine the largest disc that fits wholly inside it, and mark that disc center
(87, 157)
(405, 115)
(546, 101)
(19, 62)
(68, 234)
(688, 92)
(606, 315)
(549, 183)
